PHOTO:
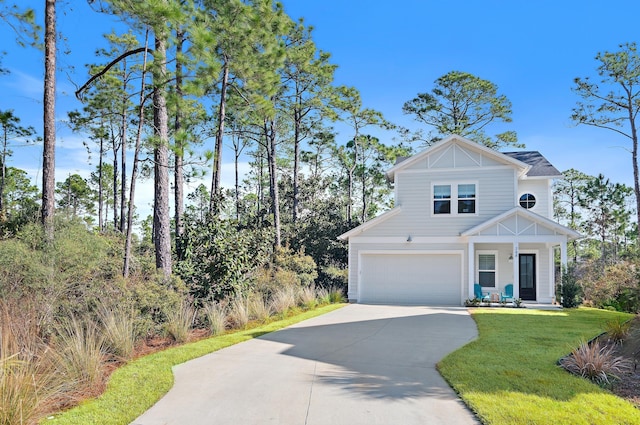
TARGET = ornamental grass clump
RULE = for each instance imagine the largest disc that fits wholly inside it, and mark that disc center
(596, 362)
(259, 308)
(80, 349)
(28, 378)
(617, 330)
(307, 297)
(282, 299)
(179, 322)
(239, 312)
(119, 331)
(215, 315)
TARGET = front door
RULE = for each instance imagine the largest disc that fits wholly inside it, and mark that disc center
(528, 277)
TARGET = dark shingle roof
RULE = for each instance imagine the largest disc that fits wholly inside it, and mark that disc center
(540, 167)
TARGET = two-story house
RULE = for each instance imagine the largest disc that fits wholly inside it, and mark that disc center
(464, 214)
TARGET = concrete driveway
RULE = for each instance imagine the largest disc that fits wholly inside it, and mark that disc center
(361, 364)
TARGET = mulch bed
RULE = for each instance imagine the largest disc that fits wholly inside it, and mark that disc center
(628, 387)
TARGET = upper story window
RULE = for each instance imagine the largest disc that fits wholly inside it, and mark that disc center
(463, 195)
(527, 201)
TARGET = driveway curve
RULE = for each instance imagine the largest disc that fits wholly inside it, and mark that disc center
(361, 364)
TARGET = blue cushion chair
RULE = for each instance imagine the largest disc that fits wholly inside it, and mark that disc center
(477, 293)
(507, 294)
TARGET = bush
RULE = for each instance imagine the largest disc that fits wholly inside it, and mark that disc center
(617, 330)
(570, 290)
(595, 362)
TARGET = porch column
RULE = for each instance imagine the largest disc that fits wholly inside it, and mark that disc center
(471, 251)
(563, 261)
(516, 271)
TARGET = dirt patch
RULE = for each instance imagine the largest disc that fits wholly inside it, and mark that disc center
(628, 387)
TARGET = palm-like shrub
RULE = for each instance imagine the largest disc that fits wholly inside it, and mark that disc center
(595, 362)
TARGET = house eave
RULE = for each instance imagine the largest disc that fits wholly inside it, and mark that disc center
(557, 227)
(368, 224)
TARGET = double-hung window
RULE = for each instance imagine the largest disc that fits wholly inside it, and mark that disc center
(487, 270)
(456, 198)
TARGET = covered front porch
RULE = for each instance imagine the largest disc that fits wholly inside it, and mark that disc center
(517, 248)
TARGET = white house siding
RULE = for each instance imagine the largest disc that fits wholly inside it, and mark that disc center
(495, 195)
(544, 268)
(395, 245)
(541, 189)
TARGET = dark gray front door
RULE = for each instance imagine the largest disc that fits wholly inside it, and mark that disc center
(528, 277)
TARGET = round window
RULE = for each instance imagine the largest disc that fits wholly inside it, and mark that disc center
(527, 201)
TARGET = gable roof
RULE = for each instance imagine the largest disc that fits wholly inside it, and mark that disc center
(367, 224)
(540, 167)
(508, 222)
(466, 143)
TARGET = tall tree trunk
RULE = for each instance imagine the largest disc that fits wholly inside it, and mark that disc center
(134, 171)
(270, 133)
(115, 180)
(3, 172)
(123, 147)
(636, 176)
(237, 181)
(100, 186)
(161, 218)
(217, 154)
(178, 188)
(296, 161)
(49, 119)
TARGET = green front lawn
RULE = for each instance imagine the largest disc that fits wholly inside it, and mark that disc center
(135, 387)
(509, 375)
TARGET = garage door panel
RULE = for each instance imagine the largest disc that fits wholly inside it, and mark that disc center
(411, 278)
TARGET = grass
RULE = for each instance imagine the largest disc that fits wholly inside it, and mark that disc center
(510, 375)
(135, 387)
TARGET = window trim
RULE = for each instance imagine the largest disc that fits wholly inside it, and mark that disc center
(454, 199)
(495, 271)
(535, 200)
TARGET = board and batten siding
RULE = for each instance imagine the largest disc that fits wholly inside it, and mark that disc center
(355, 249)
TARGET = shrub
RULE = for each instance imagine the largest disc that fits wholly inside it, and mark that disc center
(595, 362)
(570, 290)
(336, 295)
(179, 322)
(334, 276)
(216, 317)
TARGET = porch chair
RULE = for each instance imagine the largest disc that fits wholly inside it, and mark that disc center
(507, 294)
(477, 293)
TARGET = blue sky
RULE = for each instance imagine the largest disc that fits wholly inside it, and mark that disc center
(391, 51)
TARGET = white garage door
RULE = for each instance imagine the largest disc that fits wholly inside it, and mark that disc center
(411, 278)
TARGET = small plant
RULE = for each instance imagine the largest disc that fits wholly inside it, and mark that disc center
(259, 309)
(595, 362)
(617, 330)
(517, 303)
(323, 296)
(80, 350)
(283, 299)
(216, 317)
(336, 295)
(307, 297)
(119, 330)
(472, 302)
(179, 322)
(239, 311)
(571, 293)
